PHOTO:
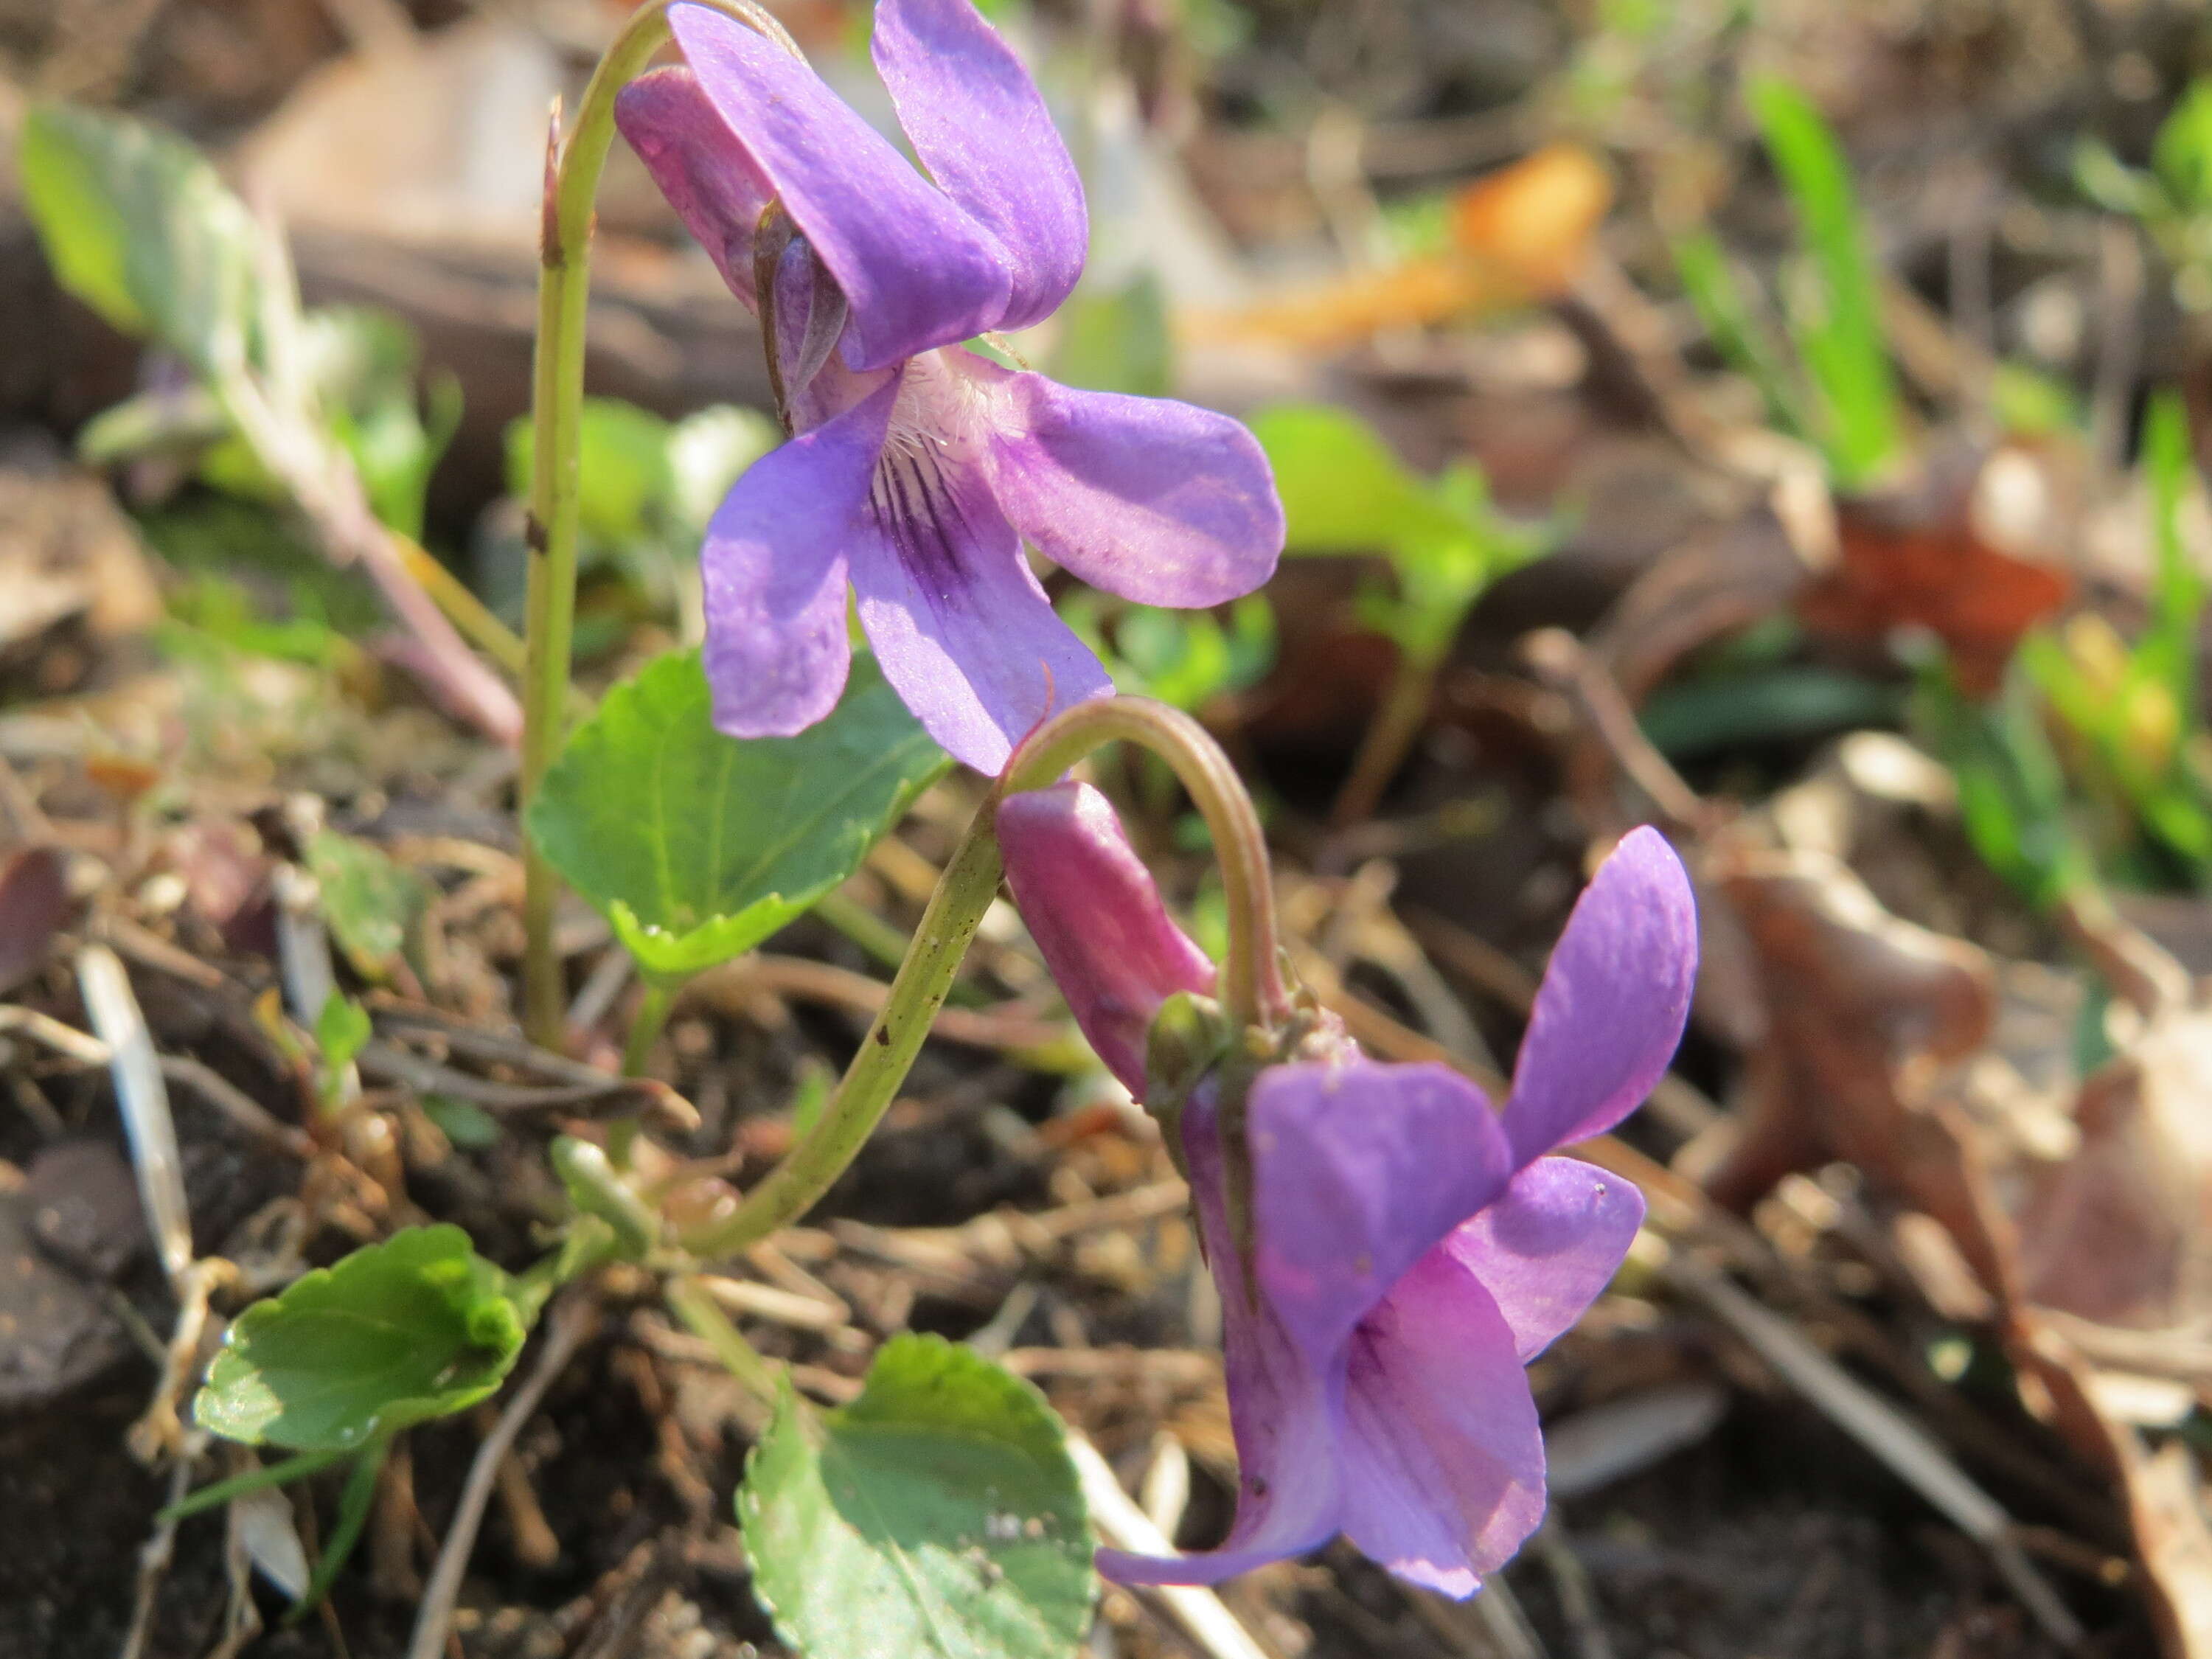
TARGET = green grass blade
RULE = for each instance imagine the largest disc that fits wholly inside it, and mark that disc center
(2168, 650)
(1738, 332)
(1844, 347)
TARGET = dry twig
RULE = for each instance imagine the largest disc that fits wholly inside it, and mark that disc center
(1126, 1526)
(569, 1323)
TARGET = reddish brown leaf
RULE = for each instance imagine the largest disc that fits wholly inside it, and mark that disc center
(34, 899)
(1917, 561)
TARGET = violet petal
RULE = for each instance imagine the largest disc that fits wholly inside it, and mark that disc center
(1286, 1413)
(773, 569)
(709, 180)
(1613, 1004)
(958, 621)
(1358, 1170)
(976, 120)
(1159, 502)
(1443, 1461)
(1093, 910)
(1548, 1245)
(917, 271)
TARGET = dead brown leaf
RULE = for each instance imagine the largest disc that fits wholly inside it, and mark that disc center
(2090, 1239)
(1917, 559)
(2121, 1232)
(2166, 1511)
(1865, 1014)
(34, 899)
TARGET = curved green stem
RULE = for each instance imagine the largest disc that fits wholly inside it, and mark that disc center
(572, 186)
(956, 909)
(1251, 972)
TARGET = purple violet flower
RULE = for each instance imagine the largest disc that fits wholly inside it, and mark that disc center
(917, 466)
(1409, 1250)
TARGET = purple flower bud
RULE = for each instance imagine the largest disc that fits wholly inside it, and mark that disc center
(1409, 1250)
(1090, 905)
(918, 468)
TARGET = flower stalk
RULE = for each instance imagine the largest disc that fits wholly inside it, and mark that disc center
(1251, 978)
(956, 909)
(573, 170)
(1252, 988)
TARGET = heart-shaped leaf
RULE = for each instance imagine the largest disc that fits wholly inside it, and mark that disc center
(938, 1516)
(418, 1326)
(138, 226)
(697, 846)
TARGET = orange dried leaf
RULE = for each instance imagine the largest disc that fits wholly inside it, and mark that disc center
(1536, 218)
(1344, 312)
(1519, 234)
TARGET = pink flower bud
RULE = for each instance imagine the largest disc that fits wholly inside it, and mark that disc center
(1092, 908)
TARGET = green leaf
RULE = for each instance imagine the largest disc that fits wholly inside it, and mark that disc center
(1843, 346)
(1738, 332)
(415, 1327)
(2112, 183)
(1440, 580)
(2030, 403)
(2012, 790)
(1343, 489)
(371, 903)
(137, 225)
(362, 366)
(1185, 659)
(213, 536)
(342, 1031)
(938, 1516)
(1775, 705)
(2168, 653)
(463, 1122)
(225, 613)
(697, 846)
(2181, 154)
(622, 473)
(1117, 340)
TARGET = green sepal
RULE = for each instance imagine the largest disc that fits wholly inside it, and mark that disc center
(1186, 1041)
